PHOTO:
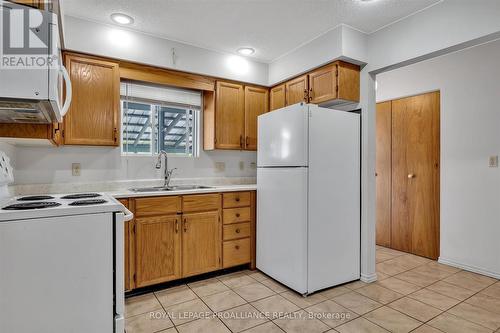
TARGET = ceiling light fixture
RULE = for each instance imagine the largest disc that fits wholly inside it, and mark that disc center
(122, 19)
(246, 51)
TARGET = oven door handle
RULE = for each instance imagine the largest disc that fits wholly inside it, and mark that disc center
(128, 214)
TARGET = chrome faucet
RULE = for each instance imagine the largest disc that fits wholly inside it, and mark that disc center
(167, 173)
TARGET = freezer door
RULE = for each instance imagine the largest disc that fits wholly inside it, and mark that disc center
(334, 198)
(282, 137)
(282, 225)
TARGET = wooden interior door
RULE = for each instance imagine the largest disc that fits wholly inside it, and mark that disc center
(323, 84)
(158, 250)
(297, 90)
(383, 173)
(277, 99)
(93, 118)
(229, 116)
(256, 103)
(201, 243)
(415, 174)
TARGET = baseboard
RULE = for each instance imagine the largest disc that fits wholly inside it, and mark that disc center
(465, 267)
(369, 278)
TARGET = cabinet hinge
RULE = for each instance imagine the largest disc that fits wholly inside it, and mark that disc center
(62, 133)
(337, 88)
(133, 229)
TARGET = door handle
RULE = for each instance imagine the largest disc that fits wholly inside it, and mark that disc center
(241, 141)
(246, 141)
(411, 176)
(185, 225)
(176, 226)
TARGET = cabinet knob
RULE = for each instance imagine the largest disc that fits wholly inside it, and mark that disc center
(238, 230)
(411, 175)
(237, 199)
(237, 247)
(237, 214)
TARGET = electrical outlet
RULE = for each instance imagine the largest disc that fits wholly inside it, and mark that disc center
(253, 165)
(76, 169)
(242, 165)
(493, 163)
(220, 166)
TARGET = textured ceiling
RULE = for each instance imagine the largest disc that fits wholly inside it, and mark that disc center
(272, 27)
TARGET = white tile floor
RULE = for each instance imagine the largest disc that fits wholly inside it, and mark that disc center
(413, 294)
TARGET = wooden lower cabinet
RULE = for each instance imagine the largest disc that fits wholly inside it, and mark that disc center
(173, 237)
(158, 250)
(200, 243)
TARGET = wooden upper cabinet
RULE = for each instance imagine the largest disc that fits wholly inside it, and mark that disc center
(348, 81)
(94, 115)
(40, 4)
(201, 243)
(323, 84)
(158, 250)
(229, 116)
(256, 103)
(296, 90)
(277, 99)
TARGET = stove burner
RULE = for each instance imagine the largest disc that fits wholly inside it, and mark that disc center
(87, 202)
(81, 196)
(32, 205)
(35, 198)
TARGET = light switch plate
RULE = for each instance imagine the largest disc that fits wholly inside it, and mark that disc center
(76, 169)
(493, 161)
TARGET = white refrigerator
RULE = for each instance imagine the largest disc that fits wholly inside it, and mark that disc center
(308, 197)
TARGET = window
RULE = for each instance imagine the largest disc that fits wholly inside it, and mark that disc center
(157, 118)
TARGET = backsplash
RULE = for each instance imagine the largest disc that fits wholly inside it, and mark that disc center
(49, 165)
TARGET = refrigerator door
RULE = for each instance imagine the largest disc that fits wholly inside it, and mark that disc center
(334, 198)
(283, 137)
(282, 225)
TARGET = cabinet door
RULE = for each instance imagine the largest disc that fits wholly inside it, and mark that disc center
(229, 116)
(256, 103)
(158, 250)
(415, 174)
(201, 243)
(323, 84)
(277, 100)
(93, 118)
(297, 90)
(32, 3)
(383, 174)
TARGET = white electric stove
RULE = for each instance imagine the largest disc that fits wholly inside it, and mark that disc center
(61, 263)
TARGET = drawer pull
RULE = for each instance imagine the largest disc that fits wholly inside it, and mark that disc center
(238, 230)
(237, 247)
(237, 199)
(237, 214)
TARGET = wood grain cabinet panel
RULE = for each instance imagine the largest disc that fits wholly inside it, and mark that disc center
(235, 231)
(256, 103)
(277, 98)
(235, 199)
(229, 116)
(297, 90)
(236, 252)
(323, 84)
(201, 243)
(200, 202)
(383, 173)
(158, 250)
(157, 206)
(415, 174)
(235, 215)
(93, 117)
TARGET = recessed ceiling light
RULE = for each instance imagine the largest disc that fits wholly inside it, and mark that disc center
(122, 19)
(246, 51)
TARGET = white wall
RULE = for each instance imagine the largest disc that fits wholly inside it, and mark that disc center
(44, 165)
(110, 41)
(470, 120)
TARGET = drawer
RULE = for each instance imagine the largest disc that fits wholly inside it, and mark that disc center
(238, 230)
(157, 206)
(200, 203)
(236, 252)
(236, 199)
(235, 215)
